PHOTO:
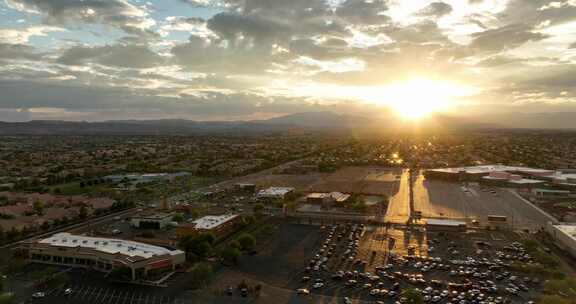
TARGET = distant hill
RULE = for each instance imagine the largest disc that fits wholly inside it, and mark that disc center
(317, 121)
(556, 120)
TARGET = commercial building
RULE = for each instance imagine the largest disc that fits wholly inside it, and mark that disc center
(103, 254)
(564, 235)
(445, 225)
(509, 175)
(218, 225)
(325, 198)
(275, 193)
(250, 188)
(152, 220)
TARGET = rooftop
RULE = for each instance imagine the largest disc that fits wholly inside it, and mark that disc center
(106, 245)
(494, 168)
(441, 222)
(274, 191)
(213, 221)
(153, 216)
(570, 230)
(515, 181)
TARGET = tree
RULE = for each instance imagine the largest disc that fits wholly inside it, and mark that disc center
(553, 299)
(198, 246)
(258, 210)
(83, 212)
(178, 217)
(230, 255)
(38, 207)
(6, 298)
(201, 274)
(234, 244)
(413, 296)
(247, 241)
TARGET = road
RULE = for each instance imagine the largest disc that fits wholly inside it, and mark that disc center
(399, 205)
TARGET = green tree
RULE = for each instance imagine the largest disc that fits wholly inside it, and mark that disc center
(178, 217)
(247, 241)
(258, 210)
(197, 247)
(201, 274)
(230, 255)
(38, 207)
(6, 298)
(234, 244)
(553, 299)
(83, 212)
(413, 296)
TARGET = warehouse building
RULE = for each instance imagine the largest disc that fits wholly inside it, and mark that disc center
(103, 254)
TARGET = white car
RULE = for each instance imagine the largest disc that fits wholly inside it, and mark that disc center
(68, 291)
(318, 285)
(38, 295)
(303, 291)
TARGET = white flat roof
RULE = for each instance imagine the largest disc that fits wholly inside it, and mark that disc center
(518, 181)
(106, 245)
(441, 222)
(492, 168)
(569, 230)
(275, 191)
(213, 221)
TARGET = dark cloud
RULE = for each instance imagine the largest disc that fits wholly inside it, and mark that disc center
(18, 51)
(535, 12)
(202, 55)
(231, 26)
(363, 11)
(436, 9)
(117, 13)
(572, 46)
(128, 56)
(504, 38)
(424, 31)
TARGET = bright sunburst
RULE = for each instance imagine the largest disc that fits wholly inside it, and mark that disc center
(418, 98)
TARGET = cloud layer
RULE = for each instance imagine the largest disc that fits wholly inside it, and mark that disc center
(234, 59)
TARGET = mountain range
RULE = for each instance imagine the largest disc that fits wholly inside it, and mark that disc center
(318, 121)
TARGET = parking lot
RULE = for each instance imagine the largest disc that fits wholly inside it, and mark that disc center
(363, 263)
(440, 199)
(96, 294)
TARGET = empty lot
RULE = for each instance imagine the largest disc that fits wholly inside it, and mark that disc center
(440, 199)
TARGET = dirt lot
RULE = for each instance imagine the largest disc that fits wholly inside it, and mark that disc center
(363, 180)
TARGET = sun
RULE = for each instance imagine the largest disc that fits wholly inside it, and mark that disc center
(420, 97)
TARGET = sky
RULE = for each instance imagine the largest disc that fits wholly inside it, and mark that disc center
(98, 60)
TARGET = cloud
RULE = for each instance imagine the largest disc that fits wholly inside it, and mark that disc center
(503, 38)
(127, 56)
(536, 12)
(117, 13)
(22, 35)
(572, 46)
(436, 9)
(363, 11)
(18, 51)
